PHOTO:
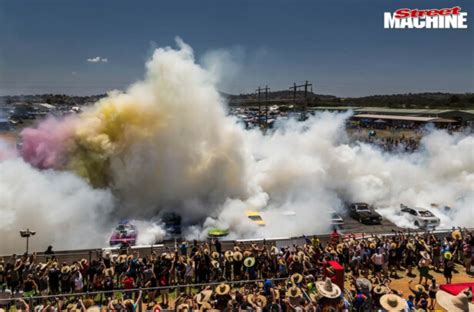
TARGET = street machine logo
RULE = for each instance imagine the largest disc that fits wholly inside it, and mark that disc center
(431, 18)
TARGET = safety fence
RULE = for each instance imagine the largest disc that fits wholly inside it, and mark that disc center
(145, 250)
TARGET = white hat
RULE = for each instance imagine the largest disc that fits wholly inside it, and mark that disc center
(461, 302)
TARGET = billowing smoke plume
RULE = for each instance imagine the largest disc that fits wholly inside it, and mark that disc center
(166, 144)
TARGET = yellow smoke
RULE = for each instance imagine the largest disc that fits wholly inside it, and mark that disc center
(107, 130)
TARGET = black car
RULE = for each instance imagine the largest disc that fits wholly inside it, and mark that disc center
(363, 213)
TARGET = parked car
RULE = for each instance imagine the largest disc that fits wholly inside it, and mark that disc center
(255, 217)
(124, 234)
(420, 217)
(365, 214)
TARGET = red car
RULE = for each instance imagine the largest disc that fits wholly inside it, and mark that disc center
(124, 234)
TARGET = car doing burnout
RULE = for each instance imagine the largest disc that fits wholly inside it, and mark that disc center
(364, 213)
(124, 234)
(420, 217)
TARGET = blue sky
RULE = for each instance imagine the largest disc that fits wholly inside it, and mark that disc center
(339, 45)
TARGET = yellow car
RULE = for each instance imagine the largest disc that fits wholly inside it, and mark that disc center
(255, 217)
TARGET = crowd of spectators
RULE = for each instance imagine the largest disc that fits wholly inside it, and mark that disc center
(203, 276)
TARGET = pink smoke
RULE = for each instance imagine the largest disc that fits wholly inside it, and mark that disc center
(45, 146)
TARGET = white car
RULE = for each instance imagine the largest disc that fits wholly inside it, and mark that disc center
(420, 217)
(336, 219)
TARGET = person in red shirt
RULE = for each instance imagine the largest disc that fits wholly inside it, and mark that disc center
(128, 282)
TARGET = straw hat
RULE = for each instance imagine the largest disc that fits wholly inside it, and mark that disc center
(364, 284)
(205, 306)
(328, 289)
(391, 302)
(215, 264)
(182, 306)
(228, 255)
(222, 289)
(128, 301)
(247, 254)
(393, 245)
(109, 272)
(65, 269)
(339, 248)
(411, 246)
(448, 255)
(296, 278)
(237, 255)
(203, 296)
(237, 248)
(380, 290)
(372, 245)
(456, 234)
(420, 288)
(215, 255)
(274, 250)
(249, 262)
(84, 261)
(328, 249)
(459, 303)
(257, 300)
(294, 292)
(425, 254)
(122, 258)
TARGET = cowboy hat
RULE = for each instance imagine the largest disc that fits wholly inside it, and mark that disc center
(327, 289)
(247, 253)
(459, 303)
(215, 255)
(364, 284)
(456, 234)
(249, 262)
(448, 255)
(425, 254)
(411, 246)
(93, 309)
(391, 302)
(296, 278)
(182, 306)
(257, 300)
(122, 258)
(205, 306)
(274, 250)
(380, 290)
(294, 292)
(109, 272)
(222, 289)
(420, 288)
(228, 255)
(393, 245)
(203, 296)
(237, 255)
(215, 264)
(65, 269)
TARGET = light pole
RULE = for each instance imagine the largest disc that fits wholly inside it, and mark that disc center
(27, 234)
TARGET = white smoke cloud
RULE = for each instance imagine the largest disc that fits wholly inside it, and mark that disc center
(59, 206)
(198, 162)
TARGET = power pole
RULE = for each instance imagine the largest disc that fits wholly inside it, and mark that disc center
(295, 88)
(259, 90)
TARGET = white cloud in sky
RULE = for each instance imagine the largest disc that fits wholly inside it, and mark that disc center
(98, 59)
